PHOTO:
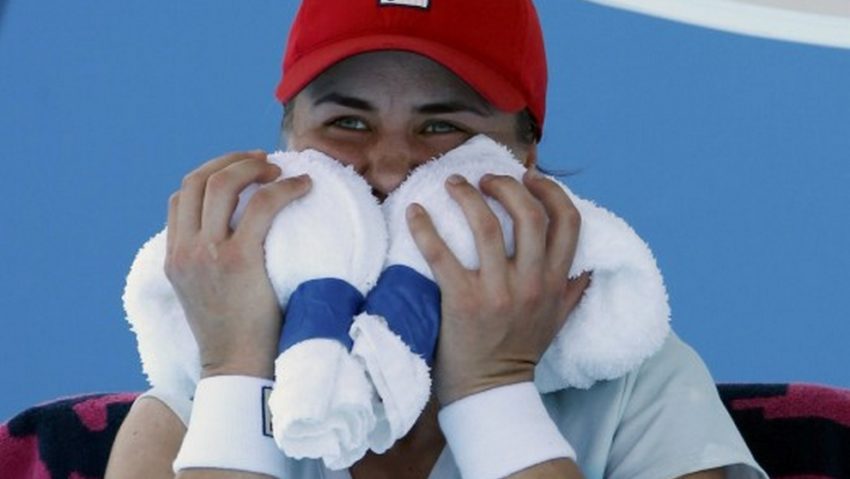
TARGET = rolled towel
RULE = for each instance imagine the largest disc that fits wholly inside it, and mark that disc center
(395, 337)
(622, 319)
(335, 231)
(322, 403)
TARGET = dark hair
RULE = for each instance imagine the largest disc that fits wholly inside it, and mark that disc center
(527, 129)
(286, 121)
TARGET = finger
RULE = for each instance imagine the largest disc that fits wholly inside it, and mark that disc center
(564, 221)
(264, 206)
(486, 229)
(575, 290)
(222, 193)
(443, 263)
(529, 219)
(193, 187)
(171, 225)
(572, 294)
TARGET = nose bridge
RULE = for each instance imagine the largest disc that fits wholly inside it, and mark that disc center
(392, 156)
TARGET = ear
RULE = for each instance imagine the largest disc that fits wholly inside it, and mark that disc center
(530, 156)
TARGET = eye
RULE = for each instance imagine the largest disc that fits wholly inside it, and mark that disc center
(439, 128)
(349, 123)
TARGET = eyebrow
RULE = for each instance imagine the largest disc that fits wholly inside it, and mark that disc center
(451, 107)
(349, 101)
(436, 108)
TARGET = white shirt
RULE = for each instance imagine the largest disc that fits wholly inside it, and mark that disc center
(662, 420)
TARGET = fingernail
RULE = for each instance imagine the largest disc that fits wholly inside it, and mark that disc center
(487, 177)
(304, 179)
(456, 179)
(414, 210)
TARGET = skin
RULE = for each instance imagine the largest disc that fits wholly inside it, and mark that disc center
(419, 111)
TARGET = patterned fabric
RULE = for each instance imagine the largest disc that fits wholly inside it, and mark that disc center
(795, 431)
(64, 439)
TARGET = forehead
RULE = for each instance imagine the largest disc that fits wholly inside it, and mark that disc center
(394, 73)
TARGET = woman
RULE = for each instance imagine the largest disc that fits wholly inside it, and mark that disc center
(384, 86)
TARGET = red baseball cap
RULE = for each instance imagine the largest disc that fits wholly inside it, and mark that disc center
(496, 46)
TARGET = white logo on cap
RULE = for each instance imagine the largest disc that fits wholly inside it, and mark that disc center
(408, 3)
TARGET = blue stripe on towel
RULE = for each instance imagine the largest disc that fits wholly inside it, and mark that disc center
(320, 308)
(410, 303)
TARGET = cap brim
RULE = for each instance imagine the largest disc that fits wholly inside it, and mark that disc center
(486, 81)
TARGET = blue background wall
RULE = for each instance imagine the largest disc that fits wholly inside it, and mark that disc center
(728, 154)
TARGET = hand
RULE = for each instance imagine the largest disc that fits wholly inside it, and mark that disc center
(498, 321)
(218, 273)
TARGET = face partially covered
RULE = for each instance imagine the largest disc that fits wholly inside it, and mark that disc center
(387, 112)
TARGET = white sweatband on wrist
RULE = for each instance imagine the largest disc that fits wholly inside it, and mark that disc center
(230, 428)
(501, 431)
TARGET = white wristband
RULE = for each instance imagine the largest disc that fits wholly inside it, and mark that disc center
(230, 428)
(500, 431)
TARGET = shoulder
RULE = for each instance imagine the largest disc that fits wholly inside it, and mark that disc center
(663, 419)
(675, 365)
(673, 386)
(672, 414)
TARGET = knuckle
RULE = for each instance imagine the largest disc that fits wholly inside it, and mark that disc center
(553, 191)
(218, 182)
(192, 180)
(234, 258)
(488, 226)
(536, 217)
(229, 156)
(532, 293)
(251, 153)
(501, 303)
(202, 260)
(263, 200)
(548, 183)
(431, 253)
(572, 217)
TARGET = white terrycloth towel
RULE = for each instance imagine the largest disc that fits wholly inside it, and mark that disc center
(622, 319)
(401, 378)
(167, 348)
(322, 404)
